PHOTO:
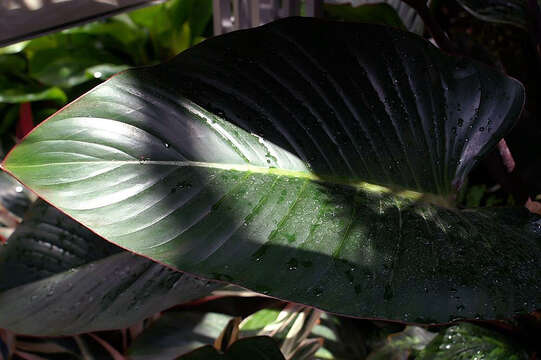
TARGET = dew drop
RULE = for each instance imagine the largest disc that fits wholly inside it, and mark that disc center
(482, 128)
(292, 264)
(166, 145)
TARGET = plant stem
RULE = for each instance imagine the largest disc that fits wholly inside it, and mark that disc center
(506, 156)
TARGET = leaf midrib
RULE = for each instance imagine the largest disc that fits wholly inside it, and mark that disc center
(297, 174)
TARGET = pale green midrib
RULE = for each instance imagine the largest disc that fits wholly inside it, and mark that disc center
(336, 180)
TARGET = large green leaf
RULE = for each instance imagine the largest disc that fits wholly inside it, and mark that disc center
(301, 159)
(513, 12)
(57, 278)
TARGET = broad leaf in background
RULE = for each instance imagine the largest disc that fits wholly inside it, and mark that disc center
(17, 87)
(409, 17)
(71, 281)
(253, 158)
(468, 341)
(119, 33)
(259, 347)
(514, 12)
(175, 25)
(67, 67)
(176, 333)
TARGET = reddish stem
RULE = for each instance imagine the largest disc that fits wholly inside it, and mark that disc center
(506, 156)
(26, 120)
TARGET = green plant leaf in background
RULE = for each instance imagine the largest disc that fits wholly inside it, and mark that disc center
(176, 333)
(71, 281)
(17, 87)
(66, 67)
(514, 12)
(118, 32)
(259, 347)
(259, 320)
(253, 158)
(468, 341)
(290, 327)
(175, 25)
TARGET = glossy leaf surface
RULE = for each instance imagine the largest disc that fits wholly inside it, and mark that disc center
(277, 158)
(72, 281)
(513, 12)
